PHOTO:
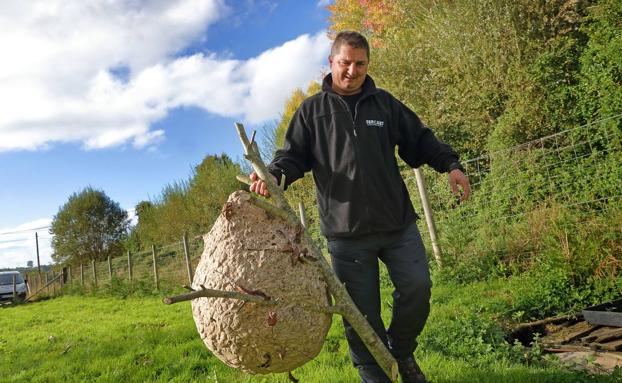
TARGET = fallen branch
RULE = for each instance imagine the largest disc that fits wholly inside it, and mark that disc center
(44, 287)
(545, 321)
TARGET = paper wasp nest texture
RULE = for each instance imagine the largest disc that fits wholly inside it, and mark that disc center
(253, 252)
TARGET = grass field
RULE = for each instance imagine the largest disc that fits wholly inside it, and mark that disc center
(139, 339)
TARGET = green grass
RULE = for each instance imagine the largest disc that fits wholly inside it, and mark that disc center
(139, 339)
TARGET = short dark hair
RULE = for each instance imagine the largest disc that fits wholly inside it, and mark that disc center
(352, 38)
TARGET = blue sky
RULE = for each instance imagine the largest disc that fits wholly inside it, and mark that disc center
(129, 96)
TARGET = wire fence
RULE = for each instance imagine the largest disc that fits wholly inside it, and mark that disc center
(579, 170)
(161, 268)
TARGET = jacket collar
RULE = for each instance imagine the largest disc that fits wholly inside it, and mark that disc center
(369, 86)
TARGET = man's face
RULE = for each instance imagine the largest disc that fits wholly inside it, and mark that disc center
(348, 68)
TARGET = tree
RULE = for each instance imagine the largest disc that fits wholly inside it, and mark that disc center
(484, 74)
(89, 226)
(190, 205)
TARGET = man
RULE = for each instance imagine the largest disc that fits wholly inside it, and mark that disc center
(347, 134)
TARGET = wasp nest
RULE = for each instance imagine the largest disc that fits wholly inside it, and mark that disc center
(252, 252)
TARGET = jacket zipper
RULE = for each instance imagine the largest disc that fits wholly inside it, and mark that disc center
(356, 108)
(350, 113)
(356, 146)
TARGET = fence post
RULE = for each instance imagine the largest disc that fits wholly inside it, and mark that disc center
(61, 280)
(129, 266)
(94, 272)
(110, 268)
(38, 260)
(53, 284)
(69, 275)
(14, 289)
(27, 281)
(155, 267)
(187, 255)
(82, 275)
(429, 218)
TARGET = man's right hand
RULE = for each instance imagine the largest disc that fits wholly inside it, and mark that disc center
(259, 186)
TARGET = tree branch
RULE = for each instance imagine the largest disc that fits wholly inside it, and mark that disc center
(252, 155)
(267, 206)
(211, 293)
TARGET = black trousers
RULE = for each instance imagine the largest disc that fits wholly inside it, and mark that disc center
(355, 261)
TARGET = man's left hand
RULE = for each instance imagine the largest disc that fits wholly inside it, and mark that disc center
(456, 177)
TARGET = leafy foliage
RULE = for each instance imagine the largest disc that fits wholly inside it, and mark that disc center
(89, 226)
(189, 206)
(488, 75)
(485, 74)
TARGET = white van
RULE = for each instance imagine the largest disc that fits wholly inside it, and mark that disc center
(6, 285)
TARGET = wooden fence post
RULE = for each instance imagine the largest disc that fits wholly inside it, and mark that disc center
(94, 272)
(14, 289)
(31, 282)
(129, 266)
(429, 217)
(27, 281)
(187, 255)
(81, 275)
(53, 285)
(110, 268)
(155, 267)
(69, 275)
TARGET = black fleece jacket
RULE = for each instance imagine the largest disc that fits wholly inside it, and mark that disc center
(359, 187)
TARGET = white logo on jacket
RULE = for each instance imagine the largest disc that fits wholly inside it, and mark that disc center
(376, 123)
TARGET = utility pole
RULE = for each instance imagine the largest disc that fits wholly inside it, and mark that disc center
(37, 243)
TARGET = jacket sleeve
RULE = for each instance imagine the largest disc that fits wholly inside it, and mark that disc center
(295, 158)
(417, 144)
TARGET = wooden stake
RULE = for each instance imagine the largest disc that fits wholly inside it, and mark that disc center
(303, 214)
(94, 272)
(129, 267)
(429, 217)
(110, 268)
(187, 255)
(155, 267)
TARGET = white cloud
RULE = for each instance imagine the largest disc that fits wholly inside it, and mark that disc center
(100, 73)
(18, 244)
(323, 3)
